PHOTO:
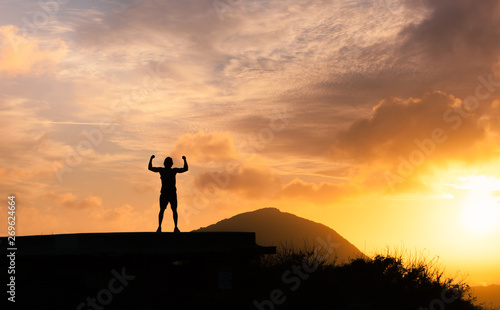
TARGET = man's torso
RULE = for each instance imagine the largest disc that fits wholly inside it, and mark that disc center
(167, 176)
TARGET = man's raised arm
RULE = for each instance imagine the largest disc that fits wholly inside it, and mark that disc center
(185, 168)
(150, 166)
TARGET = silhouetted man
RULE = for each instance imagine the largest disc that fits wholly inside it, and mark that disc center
(168, 190)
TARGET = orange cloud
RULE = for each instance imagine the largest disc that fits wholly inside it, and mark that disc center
(70, 201)
(20, 54)
(115, 214)
(205, 148)
(323, 193)
(13, 173)
(438, 125)
(251, 182)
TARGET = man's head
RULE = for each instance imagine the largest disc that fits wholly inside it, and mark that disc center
(168, 162)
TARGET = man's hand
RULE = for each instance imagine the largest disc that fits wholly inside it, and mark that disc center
(152, 156)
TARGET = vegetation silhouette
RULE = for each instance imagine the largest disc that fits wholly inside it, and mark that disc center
(168, 193)
(383, 281)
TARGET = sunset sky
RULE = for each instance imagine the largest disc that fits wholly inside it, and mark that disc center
(379, 119)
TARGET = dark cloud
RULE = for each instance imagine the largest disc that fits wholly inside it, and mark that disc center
(454, 43)
(463, 29)
(397, 128)
(459, 39)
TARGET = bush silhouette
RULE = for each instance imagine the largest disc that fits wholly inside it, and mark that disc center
(381, 282)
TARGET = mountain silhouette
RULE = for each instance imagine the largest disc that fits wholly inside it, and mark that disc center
(489, 295)
(282, 229)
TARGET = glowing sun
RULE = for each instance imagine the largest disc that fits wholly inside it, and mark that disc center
(481, 208)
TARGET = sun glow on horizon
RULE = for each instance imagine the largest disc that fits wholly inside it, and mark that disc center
(480, 212)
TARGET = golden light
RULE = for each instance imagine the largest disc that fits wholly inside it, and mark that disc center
(480, 209)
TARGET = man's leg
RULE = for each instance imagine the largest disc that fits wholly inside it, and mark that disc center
(163, 206)
(173, 205)
(160, 216)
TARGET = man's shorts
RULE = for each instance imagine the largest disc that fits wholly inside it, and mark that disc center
(165, 198)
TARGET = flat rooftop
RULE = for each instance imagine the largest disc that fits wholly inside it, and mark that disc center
(174, 245)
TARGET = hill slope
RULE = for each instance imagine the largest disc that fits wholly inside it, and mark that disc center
(489, 295)
(273, 227)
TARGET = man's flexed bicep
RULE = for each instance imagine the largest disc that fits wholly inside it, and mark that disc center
(185, 168)
(150, 166)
